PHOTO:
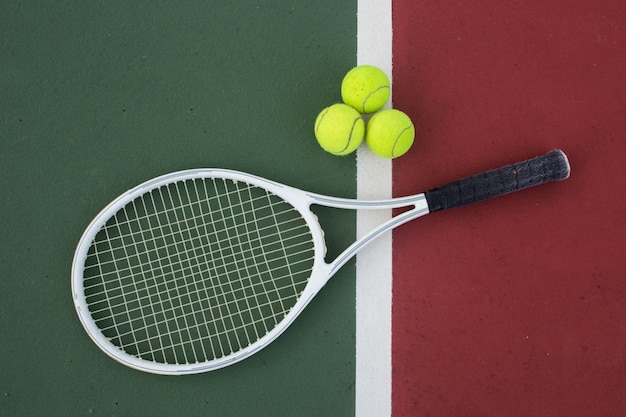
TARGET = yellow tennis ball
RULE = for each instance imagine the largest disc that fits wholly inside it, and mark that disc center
(365, 88)
(339, 129)
(390, 133)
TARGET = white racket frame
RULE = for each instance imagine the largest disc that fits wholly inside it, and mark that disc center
(322, 271)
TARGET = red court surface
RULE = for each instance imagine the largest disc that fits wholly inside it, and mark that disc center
(515, 306)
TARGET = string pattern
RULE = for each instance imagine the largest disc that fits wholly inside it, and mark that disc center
(196, 270)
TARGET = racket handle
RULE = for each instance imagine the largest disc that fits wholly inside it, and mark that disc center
(552, 166)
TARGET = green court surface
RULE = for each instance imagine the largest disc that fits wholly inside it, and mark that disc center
(100, 96)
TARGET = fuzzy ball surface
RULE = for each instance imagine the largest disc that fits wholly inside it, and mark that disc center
(390, 133)
(366, 88)
(339, 129)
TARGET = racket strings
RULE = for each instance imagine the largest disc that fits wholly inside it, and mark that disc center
(150, 246)
(197, 270)
(152, 288)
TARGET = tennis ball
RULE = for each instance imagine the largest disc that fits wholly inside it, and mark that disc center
(339, 129)
(365, 88)
(390, 133)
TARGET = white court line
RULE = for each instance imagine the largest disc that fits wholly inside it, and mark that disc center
(373, 264)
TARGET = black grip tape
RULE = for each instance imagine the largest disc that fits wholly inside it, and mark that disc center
(552, 166)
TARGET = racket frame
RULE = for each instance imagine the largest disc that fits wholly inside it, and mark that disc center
(321, 271)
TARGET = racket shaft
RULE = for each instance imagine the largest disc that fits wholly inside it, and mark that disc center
(552, 166)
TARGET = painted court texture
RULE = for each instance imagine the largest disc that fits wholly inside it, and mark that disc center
(513, 307)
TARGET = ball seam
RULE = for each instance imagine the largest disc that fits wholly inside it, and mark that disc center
(319, 120)
(395, 142)
(351, 135)
(370, 95)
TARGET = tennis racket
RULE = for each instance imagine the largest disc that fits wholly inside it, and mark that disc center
(198, 269)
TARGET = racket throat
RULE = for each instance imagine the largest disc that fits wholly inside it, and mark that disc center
(417, 208)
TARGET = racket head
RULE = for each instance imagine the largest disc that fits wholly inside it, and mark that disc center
(158, 299)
